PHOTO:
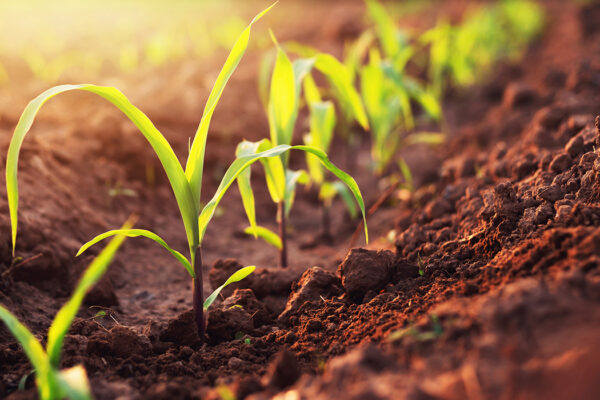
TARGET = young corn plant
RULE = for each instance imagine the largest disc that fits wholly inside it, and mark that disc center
(53, 383)
(389, 93)
(282, 111)
(341, 78)
(185, 183)
(461, 54)
(322, 121)
(387, 96)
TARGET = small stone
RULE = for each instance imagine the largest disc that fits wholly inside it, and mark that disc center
(550, 193)
(313, 284)
(575, 146)
(560, 163)
(563, 212)
(235, 363)
(363, 270)
(586, 162)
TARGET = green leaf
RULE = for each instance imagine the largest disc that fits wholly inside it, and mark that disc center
(302, 68)
(265, 68)
(283, 104)
(356, 53)
(62, 322)
(74, 383)
(243, 180)
(430, 138)
(195, 163)
(136, 233)
(340, 78)
(322, 123)
(383, 106)
(34, 351)
(327, 192)
(385, 28)
(173, 169)
(311, 90)
(347, 198)
(234, 170)
(244, 162)
(265, 234)
(273, 166)
(236, 277)
(406, 173)
(344, 177)
(291, 178)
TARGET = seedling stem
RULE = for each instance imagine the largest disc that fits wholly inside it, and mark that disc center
(283, 261)
(198, 293)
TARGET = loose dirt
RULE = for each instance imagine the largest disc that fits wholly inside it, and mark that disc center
(488, 288)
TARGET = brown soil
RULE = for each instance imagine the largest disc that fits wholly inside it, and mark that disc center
(505, 303)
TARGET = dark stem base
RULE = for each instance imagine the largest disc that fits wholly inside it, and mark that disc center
(198, 294)
(283, 262)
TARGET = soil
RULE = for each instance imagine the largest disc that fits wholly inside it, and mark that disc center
(483, 283)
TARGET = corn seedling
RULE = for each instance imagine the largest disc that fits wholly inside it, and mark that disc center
(322, 123)
(461, 54)
(282, 111)
(341, 78)
(394, 42)
(389, 93)
(53, 383)
(185, 183)
(387, 96)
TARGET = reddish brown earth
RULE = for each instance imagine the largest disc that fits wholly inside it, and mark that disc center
(505, 303)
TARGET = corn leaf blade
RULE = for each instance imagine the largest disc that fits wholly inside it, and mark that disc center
(136, 233)
(234, 170)
(282, 100)
(195, 162)
(74, 383)
(340, 78)
(265, 234)
(34, 351)
(64, 317)
(385, 27)
(347, 198)
(160, 145)
(236, 277)
(243, 180)
(291, 179)
(343, 176)
(430, 138)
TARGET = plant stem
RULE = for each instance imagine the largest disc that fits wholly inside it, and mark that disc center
(198, 293)
(282, 235)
